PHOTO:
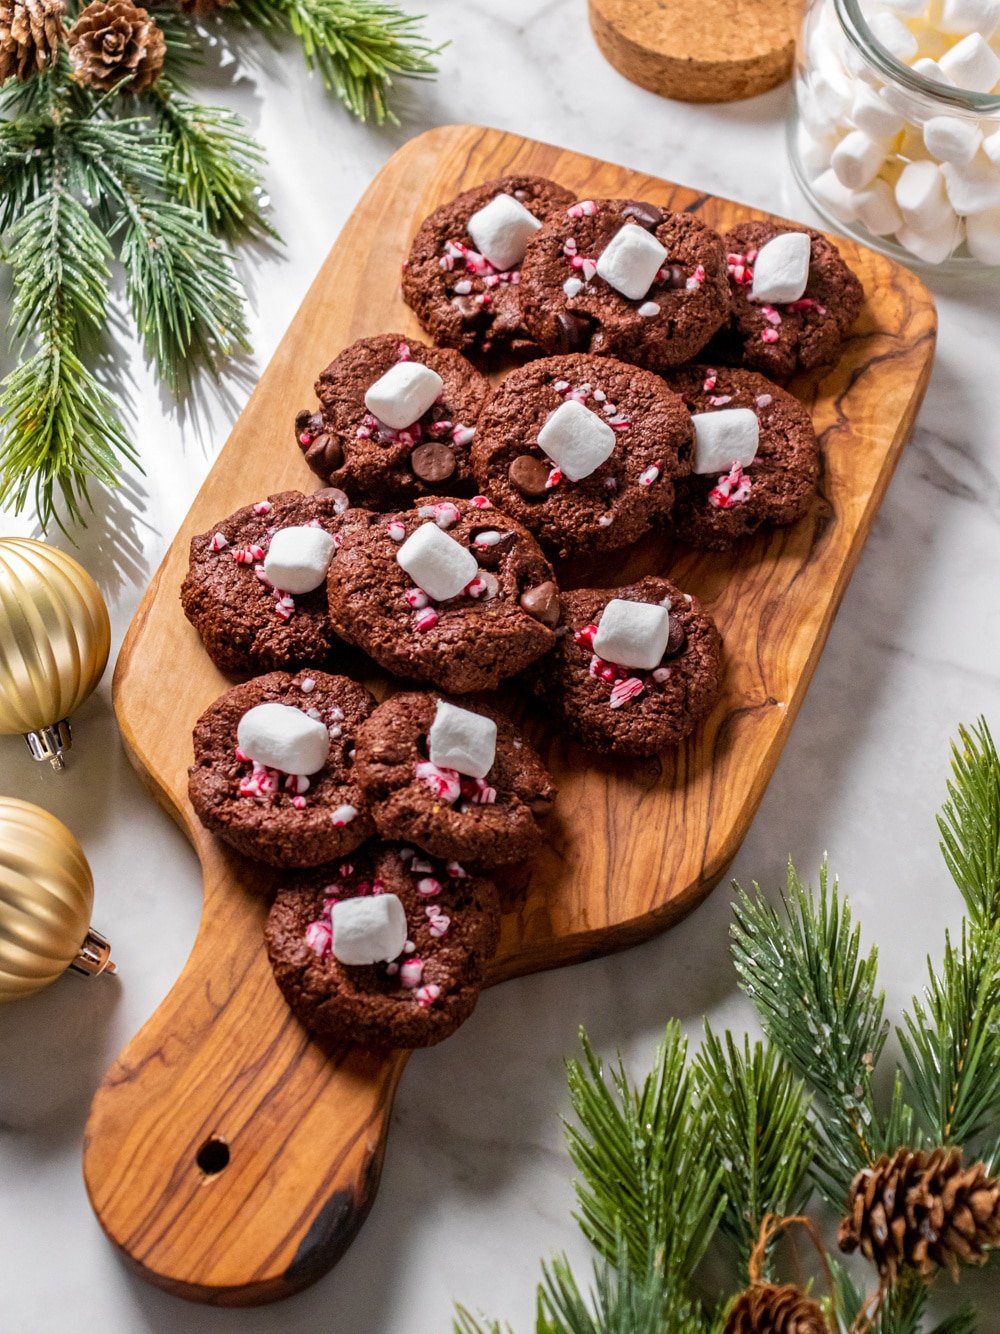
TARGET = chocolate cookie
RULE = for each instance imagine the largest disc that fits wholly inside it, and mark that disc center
(488, 821)
(495, 626)
(348, 447)
(414, 1000)
(245, 623)
(279, 818)
(781, 339)
(459, 297)
(624, 711)
(618, 502)
(569, 307)
(718, 510)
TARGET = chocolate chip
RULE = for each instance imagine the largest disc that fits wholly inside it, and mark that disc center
(542, 602)
(339, 498)
(541, 805)
(529, 474)
(647, 214)
(677, 640)
(433, 462)
(307, 423)
(324, 455)
(676, 276)
(573, 331)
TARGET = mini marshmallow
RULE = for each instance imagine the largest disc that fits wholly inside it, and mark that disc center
(873, 114)
(781, 269)
(631, 260)
(972, 64)
(857, 159)
(368, 930)
(632, 634)
(298, 558)
(991, 147)
(921, 196)
(463, 740)
(723, 438)
(894, 35)
(403, 394)
(982, 235)
(950, 139)
(501, 231)
(932, 245)
(282, 737)
(576, 439)
(972, 189)
(437, 563)
(834, 196)
(877, 210)
(964, 16)
(930, 69)
(814, 149)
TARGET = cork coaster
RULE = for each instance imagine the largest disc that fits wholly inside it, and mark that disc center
(699, 50)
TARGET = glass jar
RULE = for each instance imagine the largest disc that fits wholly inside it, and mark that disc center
(863, 120)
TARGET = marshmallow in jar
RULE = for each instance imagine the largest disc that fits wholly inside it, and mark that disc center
(897, 131)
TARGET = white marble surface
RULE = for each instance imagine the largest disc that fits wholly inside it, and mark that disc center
(476, 1184)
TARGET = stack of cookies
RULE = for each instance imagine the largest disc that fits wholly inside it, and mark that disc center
(646, 396)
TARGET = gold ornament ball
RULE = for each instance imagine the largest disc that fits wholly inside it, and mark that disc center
(55, 637)
(46, 896)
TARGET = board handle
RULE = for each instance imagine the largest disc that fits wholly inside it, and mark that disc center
(228, 1156)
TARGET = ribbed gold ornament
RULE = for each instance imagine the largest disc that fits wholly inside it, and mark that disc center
(46, 896)
(54, 642)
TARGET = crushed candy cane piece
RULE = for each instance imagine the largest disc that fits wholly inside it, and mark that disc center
(319, 938)
(444, 783)
(218, 542)
(426, 996)
(626, 690)
(649, 475)
(425, 620)
(411, 973)
(262, 507)
(428, 886)
(731, 490)
(343, 815)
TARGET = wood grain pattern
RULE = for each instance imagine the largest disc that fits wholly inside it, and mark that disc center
(305, 1128)
(699, 50)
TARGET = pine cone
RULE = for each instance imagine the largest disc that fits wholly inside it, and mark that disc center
(770, 1308)
(31, 32)
(202, 9)
(115, 41)
(924, 1210)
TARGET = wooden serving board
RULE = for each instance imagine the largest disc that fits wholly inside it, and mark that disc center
(229, 1157)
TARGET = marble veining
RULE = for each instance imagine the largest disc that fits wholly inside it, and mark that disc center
(476, 1185)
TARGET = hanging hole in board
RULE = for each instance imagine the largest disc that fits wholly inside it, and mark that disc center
(213, 1156)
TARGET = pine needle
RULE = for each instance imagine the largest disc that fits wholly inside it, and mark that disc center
(355, 45)
(758, 1119)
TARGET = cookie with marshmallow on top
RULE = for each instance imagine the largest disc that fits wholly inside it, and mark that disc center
(273, 771)
(756, 458)
(395, 421)
(462, 275)
(255, 589)
(625, 278)
(793, 299)
(635, 669)
(457, 779)
(386, 948)
(584, 451)
(453, 593)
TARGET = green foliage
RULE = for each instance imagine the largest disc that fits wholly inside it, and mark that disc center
(819, 1002)
(757, 1118)
(620, 1301)
(356, 45)
(648, 1168)
(970, 824)
(91, 181)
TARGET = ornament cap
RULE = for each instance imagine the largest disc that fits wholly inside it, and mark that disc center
(94, 957)
(49, 743)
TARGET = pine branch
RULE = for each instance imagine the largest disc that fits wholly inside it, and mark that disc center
(818, 1002)
(620, 1302)
(970, 824)
(356, 45)
(902, 1311)
(757, 1117)
(649, 1169)
(466, 1323)
(184, 294)
(213, 164)
(61, 427)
